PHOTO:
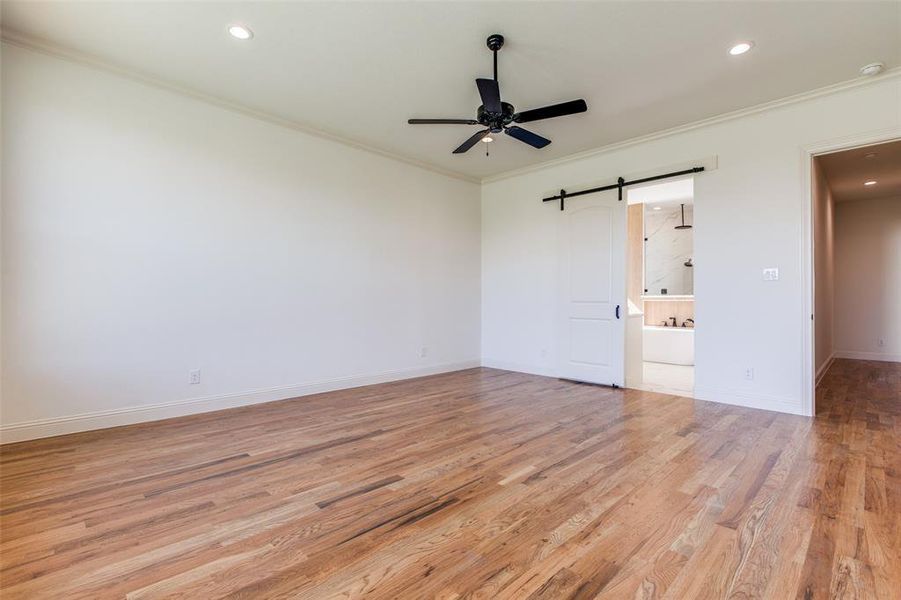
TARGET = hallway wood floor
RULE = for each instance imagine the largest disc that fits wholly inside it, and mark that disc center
(476, 484)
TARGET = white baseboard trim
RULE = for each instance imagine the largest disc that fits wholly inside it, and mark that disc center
(825, 367)
(857, 355)
(504, 365)
(774, 403)
(791, 406)
(41, 428)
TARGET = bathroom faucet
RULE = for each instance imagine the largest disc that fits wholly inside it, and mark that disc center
(675, 322)
(687, 321)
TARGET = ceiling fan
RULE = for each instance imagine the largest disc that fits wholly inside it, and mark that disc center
(496, 116)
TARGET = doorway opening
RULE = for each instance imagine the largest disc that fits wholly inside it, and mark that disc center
(856, 256)
(660, 330)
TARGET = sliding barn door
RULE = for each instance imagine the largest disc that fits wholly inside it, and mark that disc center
(592, 290)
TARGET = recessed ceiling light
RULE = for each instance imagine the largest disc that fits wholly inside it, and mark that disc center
(740, 48)
(872, 69)
(240, 31)
(656, 208)
(487, 139)
(870, 182)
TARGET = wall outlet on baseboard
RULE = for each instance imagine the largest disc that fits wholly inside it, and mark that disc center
(423, 352)
(749, 373)
(194, 376)
(881, 343)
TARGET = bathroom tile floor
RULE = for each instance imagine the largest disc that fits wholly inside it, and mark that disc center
(669, 379)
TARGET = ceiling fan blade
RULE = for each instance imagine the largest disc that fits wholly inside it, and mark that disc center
(490, 92)
(442, 122)
(549, 112)
(524, 135)
(471, 141)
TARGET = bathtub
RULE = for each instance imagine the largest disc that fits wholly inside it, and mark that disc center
(673, 345)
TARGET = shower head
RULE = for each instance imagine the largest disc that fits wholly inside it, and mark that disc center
(683, 225)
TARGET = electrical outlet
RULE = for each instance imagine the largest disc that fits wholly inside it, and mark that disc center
(423, 352)
(881, 343)
(543, 353)
(194, 376)
(749, 373)
(771, 274)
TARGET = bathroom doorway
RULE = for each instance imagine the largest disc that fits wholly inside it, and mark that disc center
(660, 284)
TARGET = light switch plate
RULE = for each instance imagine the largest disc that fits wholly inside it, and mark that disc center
(771, 274)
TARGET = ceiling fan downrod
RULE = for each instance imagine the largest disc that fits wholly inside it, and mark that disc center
(495, 42)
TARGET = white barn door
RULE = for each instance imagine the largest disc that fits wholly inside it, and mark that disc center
(591, 304)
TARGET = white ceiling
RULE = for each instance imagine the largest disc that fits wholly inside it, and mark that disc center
(360, 69)
(847, 171)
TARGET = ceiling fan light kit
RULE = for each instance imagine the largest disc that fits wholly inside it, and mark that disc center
(497, 116)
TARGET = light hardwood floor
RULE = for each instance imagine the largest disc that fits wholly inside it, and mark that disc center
(476, 484)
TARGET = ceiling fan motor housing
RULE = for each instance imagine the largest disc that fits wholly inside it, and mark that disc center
(496, 121)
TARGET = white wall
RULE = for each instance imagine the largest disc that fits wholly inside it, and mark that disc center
(747, 215)
(146, 234)
(824, 268)
(868, 279)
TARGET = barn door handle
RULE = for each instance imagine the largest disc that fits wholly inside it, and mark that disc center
(617, 311)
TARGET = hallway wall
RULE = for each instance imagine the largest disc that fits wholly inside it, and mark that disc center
(824, 270)
(868, 279)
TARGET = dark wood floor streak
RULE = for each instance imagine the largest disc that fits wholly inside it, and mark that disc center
(476, 484)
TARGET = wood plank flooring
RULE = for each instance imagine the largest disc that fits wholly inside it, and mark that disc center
(476, 484)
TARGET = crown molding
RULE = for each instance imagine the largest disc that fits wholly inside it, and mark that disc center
(887, 196)
(828, 90)
(49, 48)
